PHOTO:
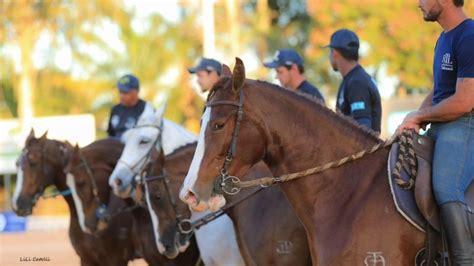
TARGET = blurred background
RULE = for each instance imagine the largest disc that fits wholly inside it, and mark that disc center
(60, 59)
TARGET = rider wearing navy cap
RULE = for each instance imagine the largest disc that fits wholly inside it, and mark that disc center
(358, 96)
(208, 72)
(290, 72)
(125, 114)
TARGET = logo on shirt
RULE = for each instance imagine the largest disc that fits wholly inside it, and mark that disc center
(115, 121)
(357, 106)
(446, 63)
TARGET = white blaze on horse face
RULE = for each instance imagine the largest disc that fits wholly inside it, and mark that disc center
(77, 202)
(18, 188)
(138, 145)
(193, 171)
(155, 221)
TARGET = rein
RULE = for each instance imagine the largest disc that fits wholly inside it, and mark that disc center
(214, 215)
(232, 185)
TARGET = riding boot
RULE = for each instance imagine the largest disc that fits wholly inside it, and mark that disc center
(456, 220)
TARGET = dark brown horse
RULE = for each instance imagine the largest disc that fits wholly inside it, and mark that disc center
(262, 241)
(88, 171)
(42, 164)
(347, 212)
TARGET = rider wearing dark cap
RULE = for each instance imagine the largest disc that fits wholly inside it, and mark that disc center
(208, 72)
(290, 72)
(125, 114)
(358, 96)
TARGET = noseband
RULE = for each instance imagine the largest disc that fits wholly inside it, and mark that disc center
(146, 158)
(225, 182)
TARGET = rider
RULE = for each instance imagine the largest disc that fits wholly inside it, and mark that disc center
(124, 115)
(290, 72)
(358, 96)
(208, 72)
(449, 107)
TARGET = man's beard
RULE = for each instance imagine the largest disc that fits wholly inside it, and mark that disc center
(433, 14)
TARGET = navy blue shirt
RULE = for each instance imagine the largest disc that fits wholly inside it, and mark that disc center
(359, 98)
(123, 118)
(453, 59)
(307, 88)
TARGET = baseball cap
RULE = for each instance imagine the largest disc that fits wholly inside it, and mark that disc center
(127, 83)
(344, 39)
(207, 64)
(285, 57)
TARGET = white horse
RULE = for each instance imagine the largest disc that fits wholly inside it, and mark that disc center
(154, 131)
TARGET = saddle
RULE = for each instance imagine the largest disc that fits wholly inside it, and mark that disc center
(416, 202)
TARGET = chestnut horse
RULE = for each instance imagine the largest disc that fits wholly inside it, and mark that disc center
(88, 171)
(282, 243)
(41, 164)
(348, 211)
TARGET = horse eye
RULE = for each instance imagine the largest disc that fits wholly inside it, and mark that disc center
(157, 196)
(144, 141)
(218, 126)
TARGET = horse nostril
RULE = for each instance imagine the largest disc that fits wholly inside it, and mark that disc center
(118, 182)
(190, 197)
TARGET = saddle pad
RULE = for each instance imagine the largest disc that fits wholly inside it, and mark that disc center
(404, 199)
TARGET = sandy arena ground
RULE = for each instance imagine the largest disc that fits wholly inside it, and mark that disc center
(51, 244)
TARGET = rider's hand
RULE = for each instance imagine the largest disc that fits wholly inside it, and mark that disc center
(411, 121)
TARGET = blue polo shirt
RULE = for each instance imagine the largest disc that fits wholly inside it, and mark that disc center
(359, 98)
(123, 118)
(453, 59)
(307, 88)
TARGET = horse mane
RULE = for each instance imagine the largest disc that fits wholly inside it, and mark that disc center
(104, 149)
(320, 106)
(299, 96)
(183, 149)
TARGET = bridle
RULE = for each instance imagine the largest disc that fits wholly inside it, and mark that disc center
(225, 182)
(232, 185)
(101, 210)
(184, 225)
(145, 159)
(44, 157)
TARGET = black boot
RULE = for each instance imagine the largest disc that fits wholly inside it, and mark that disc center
(456, 222)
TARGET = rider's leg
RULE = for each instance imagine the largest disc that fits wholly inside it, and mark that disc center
(453, 172)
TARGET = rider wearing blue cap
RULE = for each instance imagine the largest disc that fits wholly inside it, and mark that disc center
(125, 114)
(208, 72)
(289, 66)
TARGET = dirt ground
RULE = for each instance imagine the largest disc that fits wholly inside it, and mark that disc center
(53, 245)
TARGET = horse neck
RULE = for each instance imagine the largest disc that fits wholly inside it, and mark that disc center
(317, 135)
(175, 136)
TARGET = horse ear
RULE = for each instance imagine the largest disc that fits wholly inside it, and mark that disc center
(160, 112)
(45, 135)
(76, 148)
(31, 135)
(226, 71)
(238, 76)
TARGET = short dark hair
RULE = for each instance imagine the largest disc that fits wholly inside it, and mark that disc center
(300, 68)
(349, 54)
(458, 3)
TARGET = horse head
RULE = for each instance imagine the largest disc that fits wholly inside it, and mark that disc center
(139, 143)
(87, 174)
(228, 129)
(166, 211)
(82, 184)
(40, 161)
